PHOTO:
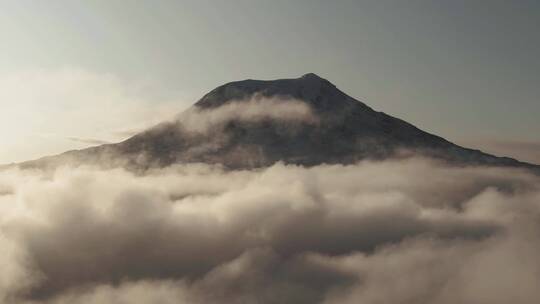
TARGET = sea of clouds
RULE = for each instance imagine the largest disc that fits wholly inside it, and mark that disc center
(403, 231)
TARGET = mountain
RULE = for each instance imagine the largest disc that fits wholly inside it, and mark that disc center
(254, 123)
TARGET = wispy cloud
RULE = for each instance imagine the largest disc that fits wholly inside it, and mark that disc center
(255, 108)
(91, 141)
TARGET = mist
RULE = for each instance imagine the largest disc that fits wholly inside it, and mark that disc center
(407, 231)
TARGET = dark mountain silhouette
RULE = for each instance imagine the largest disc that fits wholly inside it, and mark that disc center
(339, 129)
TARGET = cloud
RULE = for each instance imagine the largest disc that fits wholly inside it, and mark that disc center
(91, 141)
(411, 231)
(256, 108)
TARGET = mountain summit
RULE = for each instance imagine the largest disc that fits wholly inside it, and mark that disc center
(256, 123)
(310, 88)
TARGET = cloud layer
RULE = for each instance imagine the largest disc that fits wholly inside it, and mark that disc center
(378, 232)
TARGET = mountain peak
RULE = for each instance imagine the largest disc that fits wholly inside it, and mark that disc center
(313, 76)
(316, 82)
(310, 88)
(346, 131)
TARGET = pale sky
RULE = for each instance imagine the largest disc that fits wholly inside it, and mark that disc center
(78, 73)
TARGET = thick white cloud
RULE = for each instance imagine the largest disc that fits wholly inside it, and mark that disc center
(409, 231)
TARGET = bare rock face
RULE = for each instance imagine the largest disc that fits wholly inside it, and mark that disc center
(253, 123)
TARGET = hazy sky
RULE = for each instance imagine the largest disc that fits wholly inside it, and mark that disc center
(76, 73)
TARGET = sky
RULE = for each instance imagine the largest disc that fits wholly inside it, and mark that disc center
(80, 73)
